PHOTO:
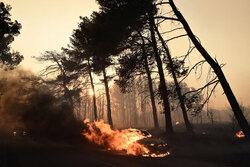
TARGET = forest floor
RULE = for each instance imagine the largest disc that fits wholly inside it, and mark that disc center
(213, 143)
(201, 150)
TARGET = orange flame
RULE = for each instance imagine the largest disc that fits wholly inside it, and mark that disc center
(239, 134)
(125, 140)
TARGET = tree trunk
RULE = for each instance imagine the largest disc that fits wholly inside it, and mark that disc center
(85, 110)
(93, 96)
(150, 85)
(68, 96)
(163, 86)
(123, 111)
(102, 108)
(105, 79)
(79, 108)
(134, 108)
(177, 86)
(89, 110)
(152, 97)
(217, 69)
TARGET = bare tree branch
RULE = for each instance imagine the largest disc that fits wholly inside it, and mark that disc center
(175, 37)
(197, 64)
(166, 18)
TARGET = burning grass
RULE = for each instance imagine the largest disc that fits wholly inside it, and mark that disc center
(126, 140)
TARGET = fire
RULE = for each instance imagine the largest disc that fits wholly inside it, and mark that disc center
(122, 141)
(240, 134)
(125, 140)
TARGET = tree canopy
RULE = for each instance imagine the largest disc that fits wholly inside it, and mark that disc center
(8, 30)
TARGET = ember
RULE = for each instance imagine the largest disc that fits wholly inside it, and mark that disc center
(239, 134)
(125, 140)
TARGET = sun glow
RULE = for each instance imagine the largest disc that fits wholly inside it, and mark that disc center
(91, 93)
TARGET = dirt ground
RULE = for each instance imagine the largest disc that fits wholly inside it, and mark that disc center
(25, 152)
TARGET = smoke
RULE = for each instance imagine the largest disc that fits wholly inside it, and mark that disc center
(26, 102)
(12, 98)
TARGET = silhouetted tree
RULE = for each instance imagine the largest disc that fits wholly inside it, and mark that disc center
(112, 19)
(217, 70)
(79, 52)
(147, 14)
(163, 85)
(8, 29)
(150, 84)
(171, 66)
(136, 64)
(63, 68)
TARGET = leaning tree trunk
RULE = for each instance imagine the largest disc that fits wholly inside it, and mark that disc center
(217, 69)
(105, 79)
(163, 86)
(150, 85)
(93, 96)
(177, 86)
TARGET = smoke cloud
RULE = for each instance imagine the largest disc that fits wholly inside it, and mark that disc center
(26, 102)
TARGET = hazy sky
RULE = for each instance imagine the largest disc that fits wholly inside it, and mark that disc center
(222, 25)
(46, 25)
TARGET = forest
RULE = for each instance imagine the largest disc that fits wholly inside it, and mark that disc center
(119, 76)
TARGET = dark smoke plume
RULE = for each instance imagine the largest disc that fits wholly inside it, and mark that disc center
(26, 102)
